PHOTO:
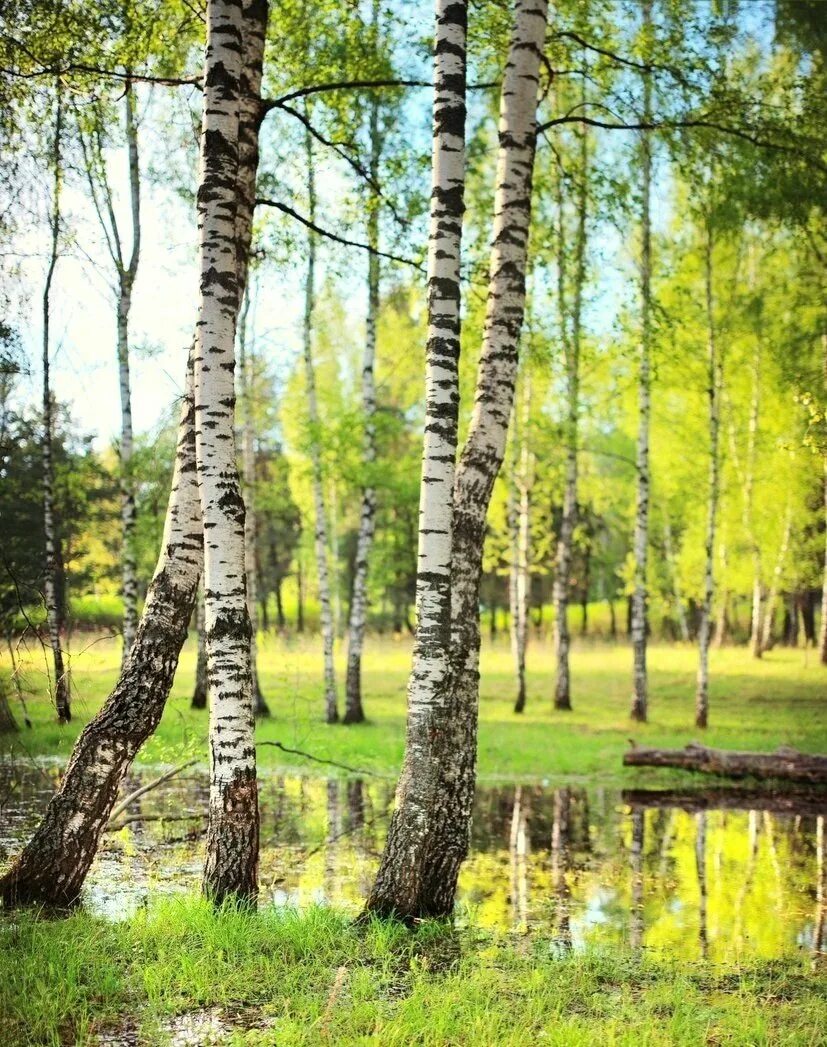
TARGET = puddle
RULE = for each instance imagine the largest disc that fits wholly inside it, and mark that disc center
(725, 875)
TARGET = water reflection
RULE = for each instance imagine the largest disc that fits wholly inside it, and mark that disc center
(718, 875)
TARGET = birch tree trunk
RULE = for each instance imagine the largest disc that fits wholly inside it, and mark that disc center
(715, 380)
(126, 282)
(321, 528)
(248, 465)
(54, 586)
(562, 690)
(447, 817)
(640, 699)
(823, 636)
(354, 712)
(54, 863)
(668, 548)
(126, 272)
(777, 574)
(519, 581)
(231, 862)
(398, 888)
(199, 694)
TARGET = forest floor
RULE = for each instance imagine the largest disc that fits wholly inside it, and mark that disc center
(177, 972)
(779, 700)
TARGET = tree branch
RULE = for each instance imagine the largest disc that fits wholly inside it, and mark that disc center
(334, 236)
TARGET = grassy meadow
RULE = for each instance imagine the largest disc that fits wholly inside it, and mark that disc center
(178, 972)
(780, 700)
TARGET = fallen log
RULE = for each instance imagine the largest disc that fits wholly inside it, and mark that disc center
(783, 763)
(805, 804)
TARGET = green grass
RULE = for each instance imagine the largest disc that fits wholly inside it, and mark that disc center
(779, 700)
(284, 978)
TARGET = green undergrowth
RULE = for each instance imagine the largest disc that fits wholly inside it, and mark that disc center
(780, 700)
(279, 977)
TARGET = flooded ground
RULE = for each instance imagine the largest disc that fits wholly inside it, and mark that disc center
(725, 875)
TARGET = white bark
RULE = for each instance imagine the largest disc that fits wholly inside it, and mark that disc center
(321, 525)
(640, 697)
(519, 576)
(398, 884)
(518, 847)
(354, 712)
(777, 576)
(248, 467)
(571, 348)
(232, 836)
(53, 575)
(714, 387)
(668, 548)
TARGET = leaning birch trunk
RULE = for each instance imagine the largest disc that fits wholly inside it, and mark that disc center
(522, 530)
(126, 282)
(640, 699)
(248, 465)
(482, 455)
(231, 861)
(571, 345)
(53, 865)
(354, 712)
(321, 527)
(714, 380)
(400, 881)
(54, 580)
(777, 574)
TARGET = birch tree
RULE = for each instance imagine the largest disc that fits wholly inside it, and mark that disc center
(519, 577)
(354, 713)
(231, 861)
(398, 886)
(714, 376)
(248, 459)
(54, 581)
(428, 837)
(321, 528)
(126, 271)
(641, 537)
(199, 694)
(571, 352)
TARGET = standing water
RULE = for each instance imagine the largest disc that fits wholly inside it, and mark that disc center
(723, 875)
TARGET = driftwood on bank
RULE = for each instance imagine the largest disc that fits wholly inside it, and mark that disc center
(803, 803)
(783, 763)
